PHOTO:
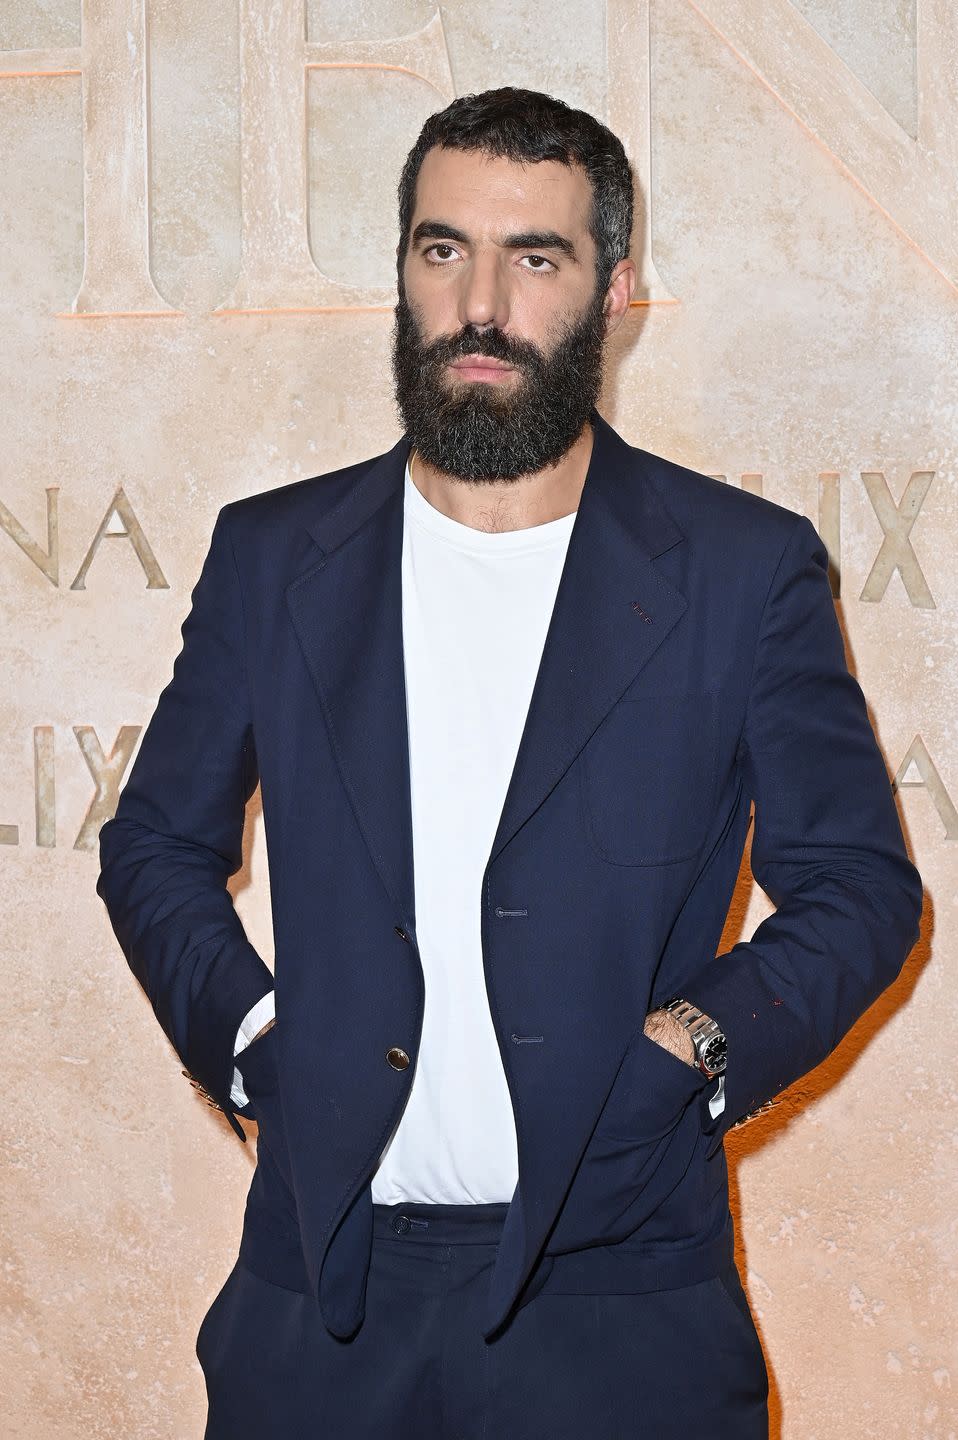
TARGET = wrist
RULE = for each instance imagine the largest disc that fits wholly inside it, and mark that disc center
(268, 1026)
(668, 1032)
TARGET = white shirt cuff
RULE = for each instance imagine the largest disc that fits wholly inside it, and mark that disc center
(717, 1101)
(252, 1021)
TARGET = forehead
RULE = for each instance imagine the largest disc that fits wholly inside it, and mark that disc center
(489, 195)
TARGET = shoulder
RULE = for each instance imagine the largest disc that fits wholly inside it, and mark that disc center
(700, 502)
(271, 530)
(294, 503)
(734, 525)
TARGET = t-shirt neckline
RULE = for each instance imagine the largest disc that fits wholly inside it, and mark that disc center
(482, 542)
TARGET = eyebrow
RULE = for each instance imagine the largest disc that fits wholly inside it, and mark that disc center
(527, 240)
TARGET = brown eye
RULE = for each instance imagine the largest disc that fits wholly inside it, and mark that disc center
(442, 251)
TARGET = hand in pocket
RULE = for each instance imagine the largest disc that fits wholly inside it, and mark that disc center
(641, 1150)
(257, 1065)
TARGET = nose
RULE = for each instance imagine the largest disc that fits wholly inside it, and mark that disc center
(484, 298)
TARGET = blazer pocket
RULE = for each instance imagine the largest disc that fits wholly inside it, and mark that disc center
(257, 1065)
(646, 1146)
(652, 1089)
(648, 778)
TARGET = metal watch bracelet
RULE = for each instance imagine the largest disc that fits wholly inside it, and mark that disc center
(705, 1033)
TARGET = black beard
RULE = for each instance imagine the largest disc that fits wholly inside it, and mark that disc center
(479, 431)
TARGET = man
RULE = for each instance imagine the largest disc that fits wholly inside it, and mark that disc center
(490, 1195)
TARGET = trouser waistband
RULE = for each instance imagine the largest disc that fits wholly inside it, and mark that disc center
(443, 1224)
(626, 1267)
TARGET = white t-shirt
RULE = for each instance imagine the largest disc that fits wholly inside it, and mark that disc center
(476, 607)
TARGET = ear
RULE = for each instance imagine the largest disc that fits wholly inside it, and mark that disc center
(618, 294)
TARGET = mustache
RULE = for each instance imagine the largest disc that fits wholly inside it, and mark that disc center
(492, 343)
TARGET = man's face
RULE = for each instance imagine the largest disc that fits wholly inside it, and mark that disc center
(497, 345)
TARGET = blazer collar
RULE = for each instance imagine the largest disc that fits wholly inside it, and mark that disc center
(618, 479)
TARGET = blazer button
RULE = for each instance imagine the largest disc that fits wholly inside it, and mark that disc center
(397, 1058)
(401, 933)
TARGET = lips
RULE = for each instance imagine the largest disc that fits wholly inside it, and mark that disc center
(481, 367)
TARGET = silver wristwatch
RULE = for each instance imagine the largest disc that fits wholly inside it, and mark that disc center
(708, 1040)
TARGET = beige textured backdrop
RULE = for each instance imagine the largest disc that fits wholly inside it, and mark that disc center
(196, 277)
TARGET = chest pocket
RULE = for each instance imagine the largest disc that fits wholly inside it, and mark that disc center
(648, 777)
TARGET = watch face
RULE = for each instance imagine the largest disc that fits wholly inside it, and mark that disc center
(715, 1054)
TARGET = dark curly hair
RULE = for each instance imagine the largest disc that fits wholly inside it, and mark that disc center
(528, 126)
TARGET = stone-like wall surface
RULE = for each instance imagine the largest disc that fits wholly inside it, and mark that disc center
(197, 217)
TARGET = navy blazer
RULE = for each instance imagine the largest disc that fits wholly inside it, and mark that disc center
(693, 666)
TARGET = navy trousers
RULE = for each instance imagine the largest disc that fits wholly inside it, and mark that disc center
(663, 1365)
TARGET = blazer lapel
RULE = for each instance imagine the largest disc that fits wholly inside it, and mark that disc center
(347, 612)
(612, 610)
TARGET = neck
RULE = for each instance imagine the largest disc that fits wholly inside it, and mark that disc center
(508, 504)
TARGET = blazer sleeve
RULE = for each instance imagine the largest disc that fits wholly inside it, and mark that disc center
(177, 834)
(827, 849)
